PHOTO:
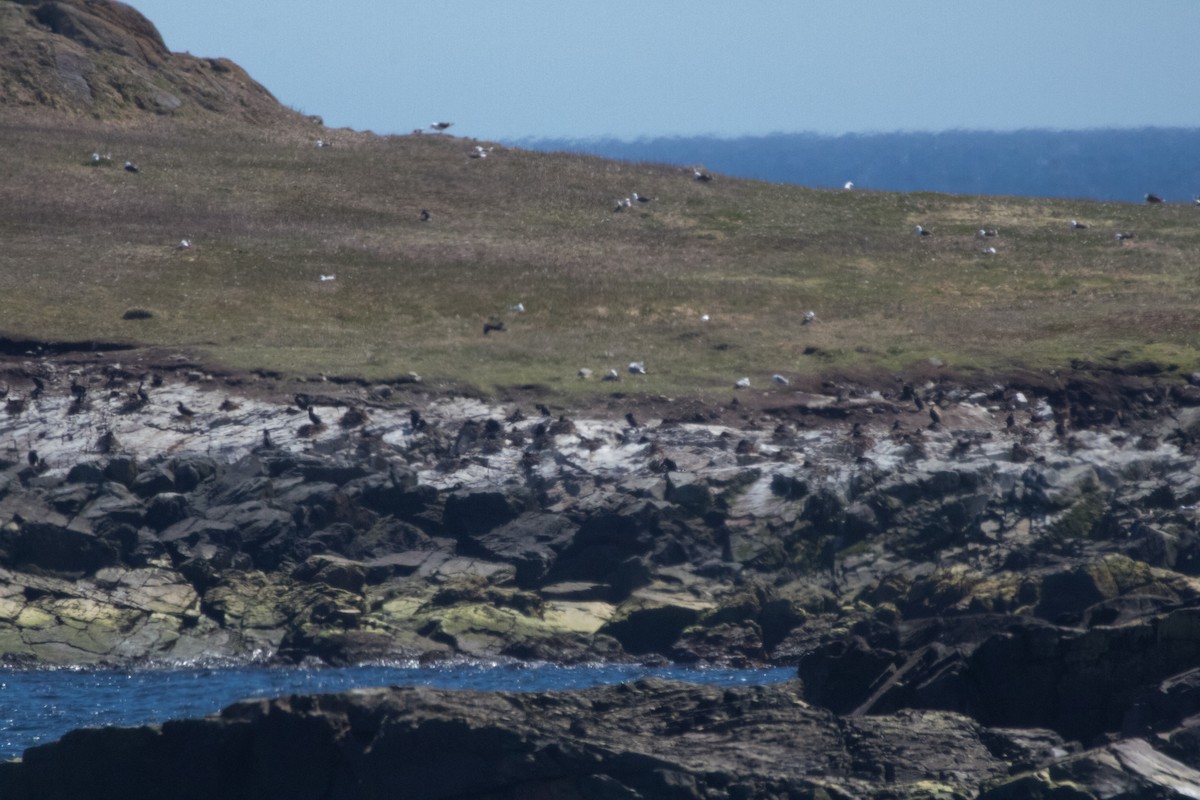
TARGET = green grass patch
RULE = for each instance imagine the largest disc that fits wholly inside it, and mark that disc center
(268, 214)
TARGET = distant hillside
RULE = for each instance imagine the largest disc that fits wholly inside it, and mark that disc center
(1119, 165)
(104, 59)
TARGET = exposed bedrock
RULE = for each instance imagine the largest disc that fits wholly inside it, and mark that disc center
(1023, 564)
(649, 739)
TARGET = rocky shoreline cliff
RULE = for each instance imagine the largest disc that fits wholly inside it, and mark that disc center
(163, 514)
(1022, 556)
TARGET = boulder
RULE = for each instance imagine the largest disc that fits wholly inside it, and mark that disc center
(470, 513)
(531, 543)
(165, 509)
(651, 622)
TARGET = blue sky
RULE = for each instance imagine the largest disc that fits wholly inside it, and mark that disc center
(626, 68)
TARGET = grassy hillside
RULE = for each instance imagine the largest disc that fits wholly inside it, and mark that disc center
(267, 213)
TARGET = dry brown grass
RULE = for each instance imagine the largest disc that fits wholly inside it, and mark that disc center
(268, 213)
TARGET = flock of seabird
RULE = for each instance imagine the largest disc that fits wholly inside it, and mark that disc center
(628, 202)
(634, 367)
(987, 233)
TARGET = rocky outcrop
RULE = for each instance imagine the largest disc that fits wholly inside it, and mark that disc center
(1030, 574)
(104, 59)
(861, 549)
(649, 739)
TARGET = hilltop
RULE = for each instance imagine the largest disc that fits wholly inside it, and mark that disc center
(103, 59)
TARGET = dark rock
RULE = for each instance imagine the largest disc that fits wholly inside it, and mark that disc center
(152, 481)
(643, 739)
(268, 534)
(469, 513)
(86, 472)
(189, 472)
(688, 491)
(339, 573)
(47, 547)
(650, 627)
(165, 509)
(531, 542)
(122, 470)
(607, 539)
(399, 495)
(112, 503)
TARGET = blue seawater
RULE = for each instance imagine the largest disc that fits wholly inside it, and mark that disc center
(38, 706)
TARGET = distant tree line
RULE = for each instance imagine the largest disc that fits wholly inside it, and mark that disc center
(1103, 164)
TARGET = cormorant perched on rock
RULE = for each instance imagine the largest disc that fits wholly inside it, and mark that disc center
(266, 438)
(543, 409)
(425, 215)
(39, 386)
(313, 418)
(184, 411)
(135, 400)
(228, 405)
(1010, 421)
(32, 457)
(631, 419)
(935, 416)
(418, 422)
